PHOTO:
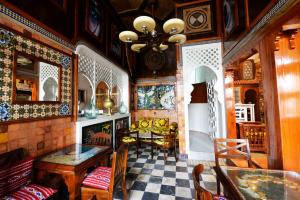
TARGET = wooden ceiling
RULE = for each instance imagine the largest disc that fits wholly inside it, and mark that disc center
(128, 10)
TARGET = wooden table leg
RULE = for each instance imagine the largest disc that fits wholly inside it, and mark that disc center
(70, 181)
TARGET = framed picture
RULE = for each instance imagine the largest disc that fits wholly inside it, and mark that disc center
(60, 3)
(199, 19)
(233, 17)
(94, 19)
(115, 47)
(156, 97)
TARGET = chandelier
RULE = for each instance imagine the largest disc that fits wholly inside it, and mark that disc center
(150, 38)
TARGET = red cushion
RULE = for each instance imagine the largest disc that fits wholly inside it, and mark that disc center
(99, 178)
(32, 192)
(217, 197)
(18, 175)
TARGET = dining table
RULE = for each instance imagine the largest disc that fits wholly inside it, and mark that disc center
(72, 163)
(258, 184)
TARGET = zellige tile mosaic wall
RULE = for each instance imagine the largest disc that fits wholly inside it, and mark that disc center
(9, 42)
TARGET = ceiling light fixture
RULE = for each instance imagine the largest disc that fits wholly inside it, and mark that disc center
(150, 38)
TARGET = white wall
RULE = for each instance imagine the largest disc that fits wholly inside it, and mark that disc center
(198, 117)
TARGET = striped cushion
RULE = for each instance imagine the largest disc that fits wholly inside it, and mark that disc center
(99, 178)
(217, 197)
(31, 192)
(18, 175)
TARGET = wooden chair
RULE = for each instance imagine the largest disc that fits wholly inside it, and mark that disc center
(231, 149)
(200, 192)
(126, 137)
(100, 183)
(100, 139)
(164, 141)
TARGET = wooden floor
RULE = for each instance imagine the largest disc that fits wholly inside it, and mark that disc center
(259, 159)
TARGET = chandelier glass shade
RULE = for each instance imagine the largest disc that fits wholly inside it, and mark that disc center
(144, 24)
(150, 38)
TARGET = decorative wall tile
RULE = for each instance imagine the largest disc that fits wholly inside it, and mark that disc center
(10, 42)
(64, 109)
(5, 111)
(21, 111)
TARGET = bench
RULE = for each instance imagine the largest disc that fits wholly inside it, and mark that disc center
(16, 172)
(157, 125)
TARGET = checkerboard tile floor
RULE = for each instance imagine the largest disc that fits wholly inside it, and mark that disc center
(156, 179)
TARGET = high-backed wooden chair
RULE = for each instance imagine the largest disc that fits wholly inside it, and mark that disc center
(231, 149)
(164, 141)
(100, 139)
(100, 183)
(129, 138)
(200, 192)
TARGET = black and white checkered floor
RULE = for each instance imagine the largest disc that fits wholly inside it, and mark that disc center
(155, 179)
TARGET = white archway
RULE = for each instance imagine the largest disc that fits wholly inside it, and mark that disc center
(209, 55)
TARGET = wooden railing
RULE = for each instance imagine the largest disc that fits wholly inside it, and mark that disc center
(244, 112)
(255, 132)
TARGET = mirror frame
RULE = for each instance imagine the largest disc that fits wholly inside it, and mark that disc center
(36, 59)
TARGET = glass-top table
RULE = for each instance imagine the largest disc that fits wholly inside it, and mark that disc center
(253, 184)
(72, 163)
(73, 154)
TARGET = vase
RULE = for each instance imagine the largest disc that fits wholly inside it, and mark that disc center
(122, 108)
(108, 103)
(91, 111)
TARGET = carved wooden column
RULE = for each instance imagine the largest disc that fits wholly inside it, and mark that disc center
(266, 52)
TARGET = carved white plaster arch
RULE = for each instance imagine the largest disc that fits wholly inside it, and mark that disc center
(194, 56)
(98, 68)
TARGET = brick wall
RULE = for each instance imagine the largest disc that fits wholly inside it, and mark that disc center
(38, 137)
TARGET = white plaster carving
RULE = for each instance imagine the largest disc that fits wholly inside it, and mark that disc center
(97, 68)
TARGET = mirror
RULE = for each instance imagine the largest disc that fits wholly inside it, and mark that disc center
(35, 79)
